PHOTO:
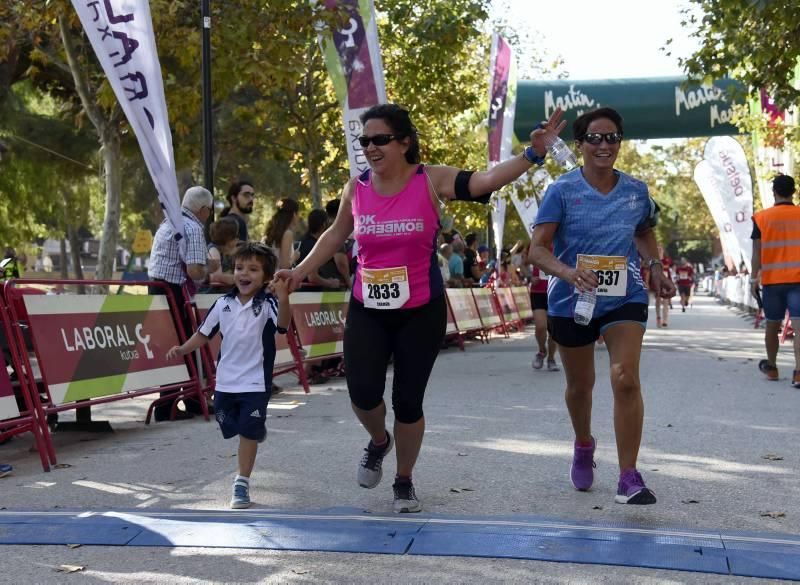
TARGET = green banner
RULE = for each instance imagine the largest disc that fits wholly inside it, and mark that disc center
(661, 107)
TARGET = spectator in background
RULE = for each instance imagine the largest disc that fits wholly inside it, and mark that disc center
(448, 232)
(472, 272)
(224, 234)
(240, 206)
(280, 232)
(9, 266)
(327, 276)
(456, 263)
(341, 259)
(166, 266)
(444, 253)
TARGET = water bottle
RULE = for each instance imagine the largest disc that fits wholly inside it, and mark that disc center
(584, 307)
(560, 152)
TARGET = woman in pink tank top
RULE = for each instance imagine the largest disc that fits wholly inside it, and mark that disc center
(397, 307)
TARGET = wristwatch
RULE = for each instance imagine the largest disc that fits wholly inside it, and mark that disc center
(654, 261)
(531, 156)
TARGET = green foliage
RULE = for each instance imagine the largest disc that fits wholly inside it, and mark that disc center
(755, 41)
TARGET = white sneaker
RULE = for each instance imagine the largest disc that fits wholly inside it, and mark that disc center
(552, 366)
(405, 499)
(369, 469)
(538, 361)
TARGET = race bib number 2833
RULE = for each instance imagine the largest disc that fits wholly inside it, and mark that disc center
(611, 272)
(385, 288)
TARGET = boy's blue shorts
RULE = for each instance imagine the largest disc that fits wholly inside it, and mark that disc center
(242, 413)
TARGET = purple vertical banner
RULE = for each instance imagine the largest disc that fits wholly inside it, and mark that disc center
(768, 106)
(499, 71)
(353, 59)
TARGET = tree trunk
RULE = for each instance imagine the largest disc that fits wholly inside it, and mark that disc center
(313, 179)
(111, 167)
(63, 259)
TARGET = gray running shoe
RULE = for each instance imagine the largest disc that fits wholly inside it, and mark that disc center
(405, 500)
(552, 366)
(369, 470)
(538, 361)
(241, 495)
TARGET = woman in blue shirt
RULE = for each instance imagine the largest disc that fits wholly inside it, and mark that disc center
(598, 220)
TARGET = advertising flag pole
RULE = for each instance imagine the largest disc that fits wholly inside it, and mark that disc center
(208, 131)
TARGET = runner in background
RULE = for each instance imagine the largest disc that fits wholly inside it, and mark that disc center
(663, 305)
(545, 342)
(596, 216)
(685, 282)
(397, 309)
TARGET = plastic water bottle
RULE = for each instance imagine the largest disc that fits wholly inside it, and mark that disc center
(560, 152)
(584, 307)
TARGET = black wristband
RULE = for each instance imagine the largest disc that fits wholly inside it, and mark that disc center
(462, 189)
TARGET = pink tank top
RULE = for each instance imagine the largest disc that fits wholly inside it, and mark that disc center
(398, 231)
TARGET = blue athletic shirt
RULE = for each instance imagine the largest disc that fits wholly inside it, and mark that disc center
(592, 223)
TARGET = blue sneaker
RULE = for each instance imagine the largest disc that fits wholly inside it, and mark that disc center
(241, 495)
(5, 469)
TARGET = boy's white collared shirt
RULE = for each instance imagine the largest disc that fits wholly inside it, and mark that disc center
(247, 355)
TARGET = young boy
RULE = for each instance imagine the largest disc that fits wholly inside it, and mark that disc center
(248, 318)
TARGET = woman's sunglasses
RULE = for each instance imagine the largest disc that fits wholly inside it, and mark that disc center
(377, 140)
(597, 137)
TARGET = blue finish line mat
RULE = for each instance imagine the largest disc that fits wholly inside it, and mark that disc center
(355, 531)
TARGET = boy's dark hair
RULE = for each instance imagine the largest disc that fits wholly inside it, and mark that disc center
(223, 231)
(581, 124)
(783, 185)
(470, 239)
(262, 252)
(399, 121)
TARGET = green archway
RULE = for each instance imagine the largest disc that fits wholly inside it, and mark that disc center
(659, 107)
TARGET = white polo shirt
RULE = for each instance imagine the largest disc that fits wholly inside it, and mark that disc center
(247, 355)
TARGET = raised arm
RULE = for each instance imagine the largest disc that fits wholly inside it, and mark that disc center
(483, 182)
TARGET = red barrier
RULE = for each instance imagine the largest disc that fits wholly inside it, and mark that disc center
(508, 306)
(98, 348)
(522, 299)
(14, 421)
(489, 310)
(466, 317)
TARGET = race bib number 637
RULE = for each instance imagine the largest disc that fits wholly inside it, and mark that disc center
(611, 272)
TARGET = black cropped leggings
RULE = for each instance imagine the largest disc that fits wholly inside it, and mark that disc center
(412, 336)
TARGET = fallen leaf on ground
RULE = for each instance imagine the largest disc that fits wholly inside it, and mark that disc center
(467, 490)
(669, 426)
(462, 454)
(773, 514)
(73, 545)
(690, 502)
(69, 568)
(61, 466)
(455, 490)
(300, 571)
(772, 457)
(597, 507)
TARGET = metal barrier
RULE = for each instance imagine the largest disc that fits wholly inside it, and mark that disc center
(13, 419)
(98, 348)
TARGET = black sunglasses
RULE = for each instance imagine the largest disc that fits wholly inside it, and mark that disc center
(597, 137)
(377, 140)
